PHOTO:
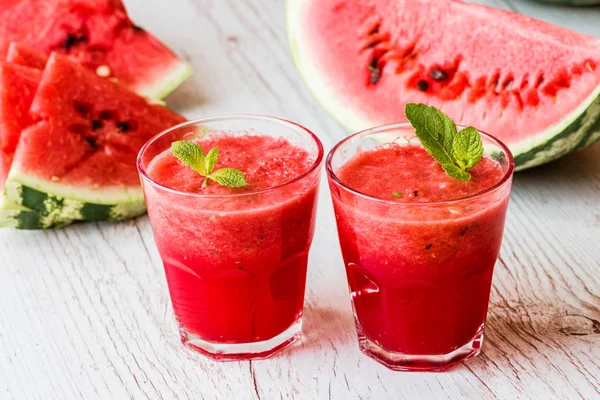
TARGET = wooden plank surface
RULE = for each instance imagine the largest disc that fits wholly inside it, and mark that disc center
(85, 313)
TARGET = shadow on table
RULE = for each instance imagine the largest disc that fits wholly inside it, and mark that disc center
(323, 328)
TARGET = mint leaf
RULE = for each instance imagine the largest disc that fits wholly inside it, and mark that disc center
(434, 129)
(455, 151)
(397, 195)
(191, 154)
(230, 177)
(467, 148)
(211, 159)
(456, 172)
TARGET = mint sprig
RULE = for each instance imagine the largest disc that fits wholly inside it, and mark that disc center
(457, 152)
(192, 155)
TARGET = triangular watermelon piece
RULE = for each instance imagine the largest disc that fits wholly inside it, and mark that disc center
(23, 55)
(18, 85)
(79, 160)
(98, 34)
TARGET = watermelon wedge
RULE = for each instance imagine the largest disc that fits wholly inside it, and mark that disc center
(534, 85)
(98, 34)
(22, 55)
(18, 85)
(78, 161)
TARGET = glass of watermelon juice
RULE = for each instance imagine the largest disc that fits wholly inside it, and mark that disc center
(419, 246)
(235, 258)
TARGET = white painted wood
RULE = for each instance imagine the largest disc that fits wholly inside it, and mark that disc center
(85, 313)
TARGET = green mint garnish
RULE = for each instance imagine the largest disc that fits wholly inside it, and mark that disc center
(397, 195)
(456, 152)
(192, 155)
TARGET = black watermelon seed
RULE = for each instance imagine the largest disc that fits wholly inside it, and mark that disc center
(97, 124)
(107, 114)
(137, 28)
(71, 40)
(375, 71)
(126, 126)
(92, 142)
(422, 86)
(416, 193)
(438, 75)
(373, 64)
(374, 30)
(123, 127)
(464, 231)
(375, 76)
(427, 247)
(83, 109)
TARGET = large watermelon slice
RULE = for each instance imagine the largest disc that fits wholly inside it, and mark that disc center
(534, 85)
(98, 34)
(78, 161)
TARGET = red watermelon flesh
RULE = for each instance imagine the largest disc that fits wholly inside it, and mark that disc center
(90, 131)
(23, 55)
(97, 33)
(534, 85)
(18, 85)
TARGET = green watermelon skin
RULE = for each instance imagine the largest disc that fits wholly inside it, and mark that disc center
(19, 217)
(99, 35)
(78, 162)
(539, 93)
(571, 2)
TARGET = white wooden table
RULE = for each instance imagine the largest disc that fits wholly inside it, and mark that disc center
(85, 313)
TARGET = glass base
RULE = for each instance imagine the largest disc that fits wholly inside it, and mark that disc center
(421, 363)
(243, 351)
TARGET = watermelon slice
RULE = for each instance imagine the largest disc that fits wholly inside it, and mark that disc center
(78, 161)
(22, 55)
(98, 34)
(534, 85)
(18, 85)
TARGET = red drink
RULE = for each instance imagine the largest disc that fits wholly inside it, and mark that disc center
(236, 258)
(419, 246)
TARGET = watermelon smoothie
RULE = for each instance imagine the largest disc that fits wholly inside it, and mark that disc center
(419, 246)
(235, 258)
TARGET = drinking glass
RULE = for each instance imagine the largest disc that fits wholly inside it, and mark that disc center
(235, 263)
(419, 274)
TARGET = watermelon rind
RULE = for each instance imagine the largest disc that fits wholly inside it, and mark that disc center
(168, 82)
(19, 217)
(578, 129)
(73, 203)
(571, 2)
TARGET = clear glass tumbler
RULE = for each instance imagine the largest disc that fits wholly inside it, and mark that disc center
(419, 274)
(236, 263)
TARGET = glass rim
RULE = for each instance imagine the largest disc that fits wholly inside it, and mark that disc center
(223, 117)
(332, 175)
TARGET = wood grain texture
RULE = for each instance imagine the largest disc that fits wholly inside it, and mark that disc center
(85, 313)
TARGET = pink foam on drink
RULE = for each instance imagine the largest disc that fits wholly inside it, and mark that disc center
(265, 161)
(414, 174)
